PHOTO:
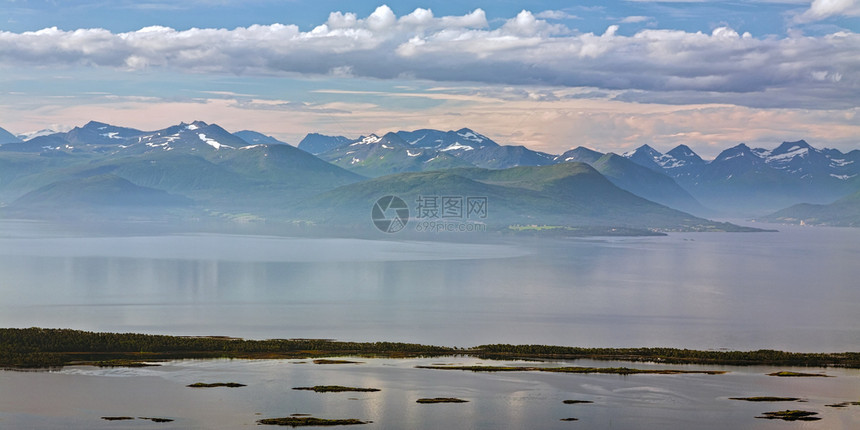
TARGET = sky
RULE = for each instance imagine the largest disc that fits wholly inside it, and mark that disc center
(552, 75)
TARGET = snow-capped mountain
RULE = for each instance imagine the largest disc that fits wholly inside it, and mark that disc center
(476, 149)
(373, 155)
(197, 136)
(757, 178)
(580, 154)
(453, 142)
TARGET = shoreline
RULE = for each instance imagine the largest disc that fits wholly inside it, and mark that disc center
(37, 348)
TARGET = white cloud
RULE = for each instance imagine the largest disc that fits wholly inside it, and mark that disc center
(634, 19)
(555, 14)
(651, 65)
(823, 9)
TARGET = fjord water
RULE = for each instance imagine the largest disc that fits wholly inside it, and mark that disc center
(796, 289)
(77, 397)
(792, 290)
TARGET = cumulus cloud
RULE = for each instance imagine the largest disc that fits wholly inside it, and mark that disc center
(823, 9)
(651, 65)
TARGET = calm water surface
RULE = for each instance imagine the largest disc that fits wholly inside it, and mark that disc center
(77, 397)
(794, 290)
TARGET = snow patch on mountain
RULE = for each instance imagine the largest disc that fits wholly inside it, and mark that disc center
(212, 142)
(369, 140)
(457, 146)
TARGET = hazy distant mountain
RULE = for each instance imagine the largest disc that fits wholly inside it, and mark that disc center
(580, 154)
(32, 134)
(316, 143)
(94, 192)
(255, 138)
(644, 182)
(475, 148)
(248, 171)
(651, 184)
(569, 194)
(844, 212)
(99, 134)
(6, 137)
(757, 180)
(198, 160)
(453, 142)
(378, 156)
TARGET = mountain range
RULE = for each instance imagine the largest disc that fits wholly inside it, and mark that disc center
(201, 170)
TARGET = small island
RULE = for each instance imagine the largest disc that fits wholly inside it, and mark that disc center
(766, 399)
(576, 402)
(309, 422)
(574, 369)
(328, 361)
(157, 420)
(442, 400)
(786, 374)
(216, 384)
(336, 389)
(843, 404)
(790, 415)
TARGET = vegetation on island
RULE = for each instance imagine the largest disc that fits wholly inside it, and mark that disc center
(571, 369)
(576, 402)
(569, 419)
(441, 400)
(45, 348)
(790, 415)
(327, 361)
(336, 389)
(672, 355)
(216, 384)
(843, 404)
(157, 420)
(309, 422)
(787, 374)
(766, 399)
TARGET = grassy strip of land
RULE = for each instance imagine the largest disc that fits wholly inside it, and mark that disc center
(766, 399)
(309, 422)
(45, 348)
(326, 361)
(583, 370)
(157, 420)
(216, 384)
(790, 415)
(441, 400)
(672, 355)
(843, 404)
(787, 374)
(336, 389)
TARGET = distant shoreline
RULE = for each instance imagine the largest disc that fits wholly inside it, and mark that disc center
(35, 348)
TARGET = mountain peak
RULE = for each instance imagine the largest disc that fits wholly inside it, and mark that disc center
(684, 153)
(787, 147)
(95, 125)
